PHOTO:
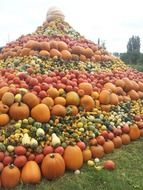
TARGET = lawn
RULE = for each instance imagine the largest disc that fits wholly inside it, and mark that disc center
(128, 174)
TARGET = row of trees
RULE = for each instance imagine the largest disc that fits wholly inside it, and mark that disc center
(133, 54)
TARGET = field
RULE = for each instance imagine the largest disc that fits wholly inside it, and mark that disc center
(128, 174)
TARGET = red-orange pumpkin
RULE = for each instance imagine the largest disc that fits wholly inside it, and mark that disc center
(41, 113)
(10, 176)
(4, 119)
(108, 146)
(73, 157)
(109, 86)
(3, 108)
(44, 53)
(45, 46)
(55, 53)
(62, 45)
(97, 151)
(117, 142)
(48, 101)
(66, 55)
(53, 166)
(125, 139)
(133, 95)
(114, 99)
(53, 92)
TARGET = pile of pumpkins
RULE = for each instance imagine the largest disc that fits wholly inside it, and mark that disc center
(63, 101)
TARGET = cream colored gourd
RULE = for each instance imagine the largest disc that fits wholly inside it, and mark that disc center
(55, 140)
(26, 139)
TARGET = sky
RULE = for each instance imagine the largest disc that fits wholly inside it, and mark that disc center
(113, 21)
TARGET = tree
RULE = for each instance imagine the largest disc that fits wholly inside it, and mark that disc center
(133, 45)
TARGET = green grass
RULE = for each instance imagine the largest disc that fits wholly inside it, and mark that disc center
(128, 174)
(139, 67)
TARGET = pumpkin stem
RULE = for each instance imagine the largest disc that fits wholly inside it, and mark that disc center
(52, 156)
(11, 166)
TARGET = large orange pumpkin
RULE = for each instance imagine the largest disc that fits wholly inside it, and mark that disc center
(87, 103)
(109, 86)
(30, 99)
(87, 87)
(41, 113)
(125, 139)
(104, 97)
(108, 146)
(72, 98)
(97, 151)
(128, 85)
(19, 111)
(4, 119)
(73, 157)
(45, 46)
(53, 166)
(10, 176)
(117, 142)
(58, 110)
(134, 132)
(62, 45)
(88, 52)
(55, 53)
(31, 173)
(120, 83)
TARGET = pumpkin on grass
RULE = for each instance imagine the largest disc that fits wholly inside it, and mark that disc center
(41, 113)
(10, 176)
(87, 155)
(134, 132)
(31, 173)
(53, 166)
(73, 157)
(108, 146)
(117, 141)
(125, 139)
(97, 151)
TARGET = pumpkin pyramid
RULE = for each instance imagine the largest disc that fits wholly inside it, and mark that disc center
(58, 88)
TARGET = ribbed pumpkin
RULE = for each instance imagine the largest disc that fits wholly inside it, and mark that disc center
(53, 44)
(30, 99)
(31, 173)
(104, 97)
(48, 101)
(73, 157)
(114, 99)
(120, 83)
(128, 85)
(10, 176)
(77, 50)
(87, 102)
(4, 119)
(66, 55)
(117, 142)
(133, 95)
(72, 98)
(55, 53)
(25, 51)
(88, 52)
(134, 132)
(41, 113)
(87, 155)
(108, 146)
(19, 111)
(109, 86)
(45, 46)
(8, 98)
(62, 46)
(125, 139)
(58, 110)
(87, 87)
(97, 151)
(32, 44)
(135, 86)
(44, 53)
(53, 166)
